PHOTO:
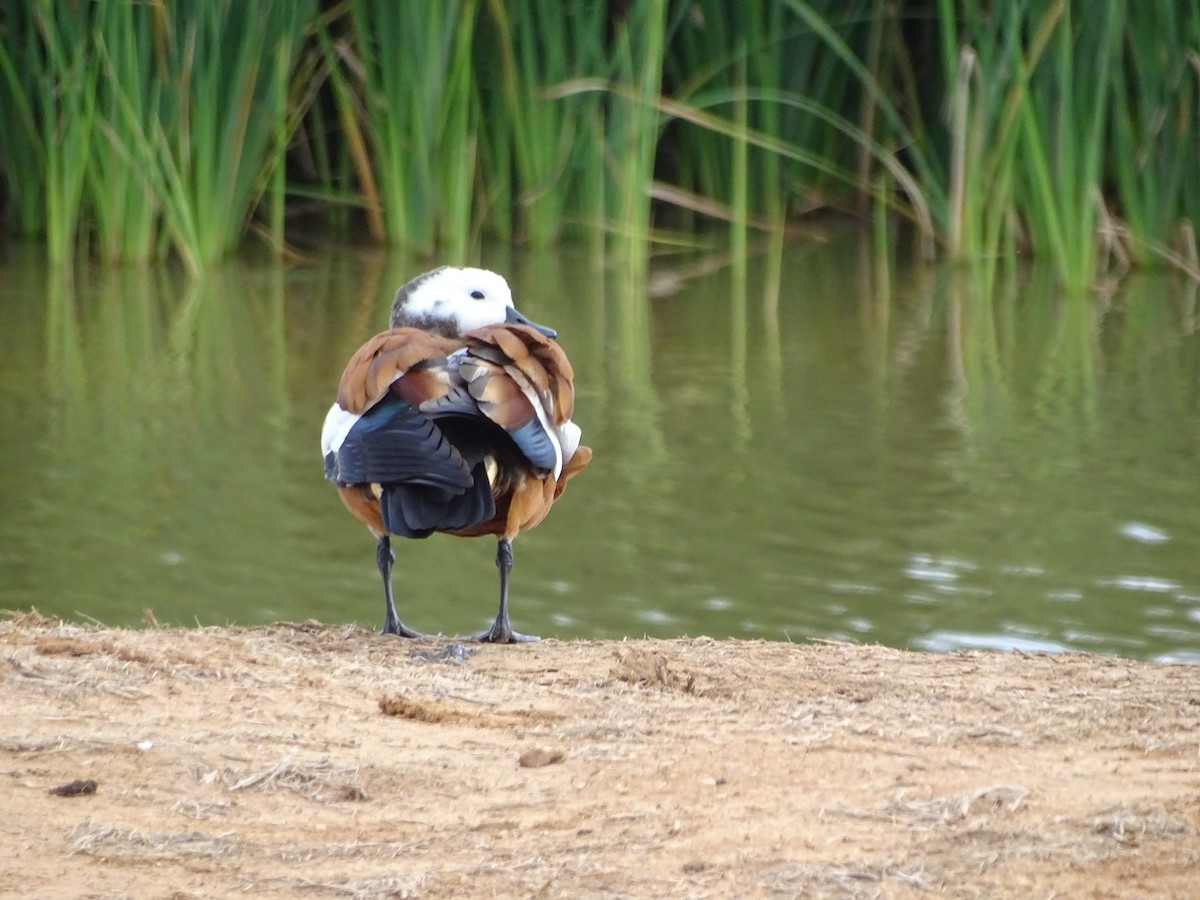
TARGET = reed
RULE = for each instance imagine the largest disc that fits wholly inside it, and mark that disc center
(125, 216)
(1064, 118)
(632, 130)
(1061, 129)
(983, 140)
(150, 126)
(537, 170)
(402, 82)
(725, 56)
(1032, 89)
(919, 176)
(1156, 130)
(220, 141)
(23, 78)
(63, 112)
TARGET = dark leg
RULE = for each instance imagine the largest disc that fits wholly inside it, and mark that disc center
(384, 557)
(501, 631)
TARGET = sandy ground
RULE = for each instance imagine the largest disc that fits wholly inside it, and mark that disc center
(311, 760)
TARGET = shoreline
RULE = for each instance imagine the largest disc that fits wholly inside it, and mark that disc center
(326, 760)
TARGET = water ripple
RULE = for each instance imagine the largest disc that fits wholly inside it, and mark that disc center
(946, 641)
(1141, 583)
(1143, 533)
(924, 567)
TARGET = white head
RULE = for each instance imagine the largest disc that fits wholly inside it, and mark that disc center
(451, 301)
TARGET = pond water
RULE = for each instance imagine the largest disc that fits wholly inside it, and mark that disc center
(822, 451)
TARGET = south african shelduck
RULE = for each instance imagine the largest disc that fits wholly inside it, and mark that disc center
(458, 420)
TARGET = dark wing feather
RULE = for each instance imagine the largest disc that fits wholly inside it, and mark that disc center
(429, 479)
(415, 512)
(393, 442)
(455, 402)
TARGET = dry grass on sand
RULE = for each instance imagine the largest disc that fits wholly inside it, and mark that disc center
(311, 760)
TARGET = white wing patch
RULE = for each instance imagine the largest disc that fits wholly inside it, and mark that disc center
(569, 436)
(338, 423)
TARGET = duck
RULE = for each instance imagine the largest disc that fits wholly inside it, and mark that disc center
(456, 420)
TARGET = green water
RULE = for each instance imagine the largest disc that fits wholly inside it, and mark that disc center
(894, 460)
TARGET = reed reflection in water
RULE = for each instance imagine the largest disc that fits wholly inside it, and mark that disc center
(830, 448)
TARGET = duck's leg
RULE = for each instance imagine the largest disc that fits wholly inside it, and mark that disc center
(384, 558)
(501, 631)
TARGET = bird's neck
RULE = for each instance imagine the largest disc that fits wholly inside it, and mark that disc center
(440, 326)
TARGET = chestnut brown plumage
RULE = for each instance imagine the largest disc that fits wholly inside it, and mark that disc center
(455, 420)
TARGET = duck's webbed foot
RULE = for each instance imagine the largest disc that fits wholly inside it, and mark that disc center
(385, 557)
(501, 631)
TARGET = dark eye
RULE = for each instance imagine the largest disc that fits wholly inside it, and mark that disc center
(478, 295)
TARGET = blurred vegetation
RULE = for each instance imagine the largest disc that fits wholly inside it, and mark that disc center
(1065, 129)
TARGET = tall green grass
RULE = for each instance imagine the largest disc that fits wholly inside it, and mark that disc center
(1063, 120)
(212, 138)
(1156, 130)
(1061, 129)
(633, 127)
(1058, 109)
(744, 64)
(148, 126)
(536, 177)
(53, 88)
(401, 74)
(23, 68)
(126, 216)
